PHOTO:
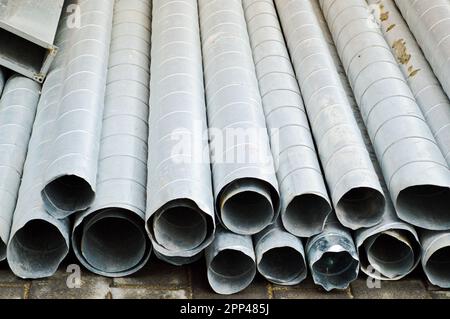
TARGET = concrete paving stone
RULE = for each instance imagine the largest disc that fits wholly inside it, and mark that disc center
(308, 290)
(57, 287)
(12, 292)
(201, 289)
(445, 294)
(157, 274)
(8, 278)
(148, 293)
(403, 289)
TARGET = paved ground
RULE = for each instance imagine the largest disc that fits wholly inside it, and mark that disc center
(159, 280)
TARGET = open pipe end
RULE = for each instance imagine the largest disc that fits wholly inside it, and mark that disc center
(36, 250)
(360, 208)
(181, 227)
(114, 241)
(231, 271)
(283, 266)
(335, 270)
(305, 215)
(66, 195)
(247, 207)
(393, 255)
(437, 265)
(425, 206)
(2, 250)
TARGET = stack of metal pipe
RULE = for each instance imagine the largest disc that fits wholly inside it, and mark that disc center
(258, 134)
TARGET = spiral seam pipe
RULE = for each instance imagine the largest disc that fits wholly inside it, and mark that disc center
(230, 262)
(429, 21)
(345, 160)
(245, 188)
(180, 211)
(414, 168)
(2, 80)
(122, 167)
(39, 242)
(390, 225)
(17, 111)
(436, 257)
(427, 90)
(70, 177)
(305, 204)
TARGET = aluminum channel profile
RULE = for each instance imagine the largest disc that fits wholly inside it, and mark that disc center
(427, 90)
(71, 175)
(332, 256)
(230, 262)
(354, 186)
(29, 28)
(429, 21)
(39, 242)
(180, 207)
(280, 256)
(413, 166)
(110, 238)
(436, 257)
(17, 112)
(245, 184)
(305, 204)
(374, 244)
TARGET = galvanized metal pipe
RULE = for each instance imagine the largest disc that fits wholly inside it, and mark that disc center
(416, 172)
(245, 184)
(2, 80)
(436, 257)
(230, 261)
(39, 242)
(374, 244)
(180, 209)
(429, 21)
(332, 256)
(280, 256)
(305, 204)
(17, 111)
(427, 90)
(70, 178)
(110, 238)
(352, 181)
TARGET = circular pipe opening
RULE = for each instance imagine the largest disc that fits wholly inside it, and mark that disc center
(361, 207)
(282, 265)
(336, 269)
(425, 206)
(113, 244)
(2, 249)
(391, 256)
(231, 271)
(438, 267)
(305, 215)
(247, 207)
(36, 250)
(68, 193)
(180, 228)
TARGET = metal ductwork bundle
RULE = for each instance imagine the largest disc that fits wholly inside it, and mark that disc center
(17, 111)
(180, 209)
(280, 256)
(245, 184)
(230, 262)
(352, 181)
(414, 168)
(436, 257)
(304, 199)
(332, 256)
(39, 242)
(110, 238)
(70, 177)
(429, 21)
(389, 250)
(427, 90)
